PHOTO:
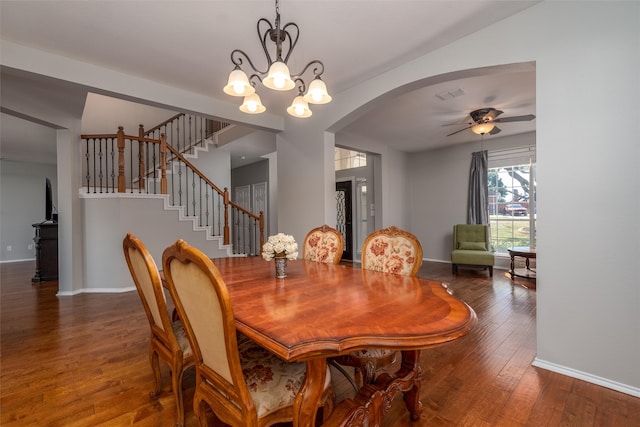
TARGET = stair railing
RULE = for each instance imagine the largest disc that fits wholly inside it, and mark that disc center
(185, 131)
(202, 198)
(121, 163)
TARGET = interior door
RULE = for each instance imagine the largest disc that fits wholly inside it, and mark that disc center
(344, 223)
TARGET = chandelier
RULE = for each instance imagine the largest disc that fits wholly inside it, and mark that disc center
(276, 76)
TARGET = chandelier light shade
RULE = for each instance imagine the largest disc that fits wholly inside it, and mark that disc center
(482, 128)
(317, 93)
(238, 84)
(279, 77)
(252, 104)
(299, 108)
(276, 74)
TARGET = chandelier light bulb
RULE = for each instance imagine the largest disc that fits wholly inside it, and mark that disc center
(238, 88)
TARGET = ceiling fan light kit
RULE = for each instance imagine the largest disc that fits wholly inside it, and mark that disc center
(277, 75)
(482, 128)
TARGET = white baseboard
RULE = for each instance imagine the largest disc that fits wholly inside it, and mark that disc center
(495, 267)
(16, 260)
(96, 291)
(594, 379)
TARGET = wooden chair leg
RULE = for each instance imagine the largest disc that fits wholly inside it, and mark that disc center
(157, 376)
(176, 384)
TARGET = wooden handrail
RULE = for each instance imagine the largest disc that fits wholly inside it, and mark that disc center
(166, 122)
(195, 169)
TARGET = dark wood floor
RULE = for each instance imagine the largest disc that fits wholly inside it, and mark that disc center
(82, 361)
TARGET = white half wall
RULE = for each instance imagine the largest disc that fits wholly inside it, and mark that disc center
(107, 220)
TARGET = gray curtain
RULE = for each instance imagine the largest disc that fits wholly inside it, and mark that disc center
(478, 189)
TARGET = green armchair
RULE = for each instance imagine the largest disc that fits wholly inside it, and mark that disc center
(472, 247)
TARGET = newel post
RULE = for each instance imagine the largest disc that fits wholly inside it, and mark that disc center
(226, 216)
(120, 139)
(141, 172)
(163, 164)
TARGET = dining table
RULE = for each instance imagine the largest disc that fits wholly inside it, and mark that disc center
(320, 311)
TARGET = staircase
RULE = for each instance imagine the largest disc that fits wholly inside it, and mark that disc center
(164, 162)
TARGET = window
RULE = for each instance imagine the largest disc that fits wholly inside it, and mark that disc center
(512, 198)
(347, 159)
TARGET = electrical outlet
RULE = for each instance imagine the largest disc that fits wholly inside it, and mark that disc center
(29, 247)
(9, 248)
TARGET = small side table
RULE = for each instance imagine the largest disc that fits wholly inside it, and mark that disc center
(524, 252)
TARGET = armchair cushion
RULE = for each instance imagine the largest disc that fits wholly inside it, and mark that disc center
(472, 257)
(472, 246)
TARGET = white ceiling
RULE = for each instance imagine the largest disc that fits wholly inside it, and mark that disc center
(187, 44)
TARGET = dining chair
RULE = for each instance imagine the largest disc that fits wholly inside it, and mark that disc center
(242, 383)
(168, 338)
(389, 250)
(323, 244)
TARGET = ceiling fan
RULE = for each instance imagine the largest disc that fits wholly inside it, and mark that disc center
(484, 119)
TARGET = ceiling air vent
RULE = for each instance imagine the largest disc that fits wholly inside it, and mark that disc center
(450, 94)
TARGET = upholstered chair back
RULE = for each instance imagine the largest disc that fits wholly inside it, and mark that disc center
(203, 302)
(471, 237)
(392, 250)
(323, 244)
(146, 277)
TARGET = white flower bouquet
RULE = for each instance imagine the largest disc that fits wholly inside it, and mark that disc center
(280, 245)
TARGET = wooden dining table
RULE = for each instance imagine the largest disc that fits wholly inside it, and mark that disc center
(323, 310)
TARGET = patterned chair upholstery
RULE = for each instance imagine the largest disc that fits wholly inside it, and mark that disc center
(390, 250)
(323, 244)
(168, 338)
(472, 247)
(242, 383)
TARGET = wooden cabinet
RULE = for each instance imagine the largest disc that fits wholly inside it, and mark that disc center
(46, 240)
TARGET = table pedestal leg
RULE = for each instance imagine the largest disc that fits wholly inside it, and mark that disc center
(373, 401)
(308, 398)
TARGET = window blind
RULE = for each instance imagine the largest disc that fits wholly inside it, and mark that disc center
(512, 156)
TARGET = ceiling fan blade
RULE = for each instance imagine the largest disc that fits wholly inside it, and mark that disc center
(525, 118)
(495, 130)
(491, 115)
(458, 131)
